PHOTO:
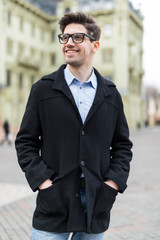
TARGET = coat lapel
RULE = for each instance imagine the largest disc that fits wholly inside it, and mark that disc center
(103, 91)
(60, 84)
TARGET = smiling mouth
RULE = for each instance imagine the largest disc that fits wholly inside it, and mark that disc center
(71, 51)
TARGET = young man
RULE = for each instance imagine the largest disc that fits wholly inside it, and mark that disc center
(73, 143)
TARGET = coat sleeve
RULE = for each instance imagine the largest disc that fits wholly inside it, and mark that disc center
(28, 145)
(121, 153)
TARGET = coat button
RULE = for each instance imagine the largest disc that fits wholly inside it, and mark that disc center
(77, 195)
(83, 133)
(83, 163)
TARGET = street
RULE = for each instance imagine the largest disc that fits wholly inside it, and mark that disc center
(135, 215)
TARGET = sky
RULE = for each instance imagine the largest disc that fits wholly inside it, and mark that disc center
(151, 41)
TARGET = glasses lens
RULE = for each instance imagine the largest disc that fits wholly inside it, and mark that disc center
(64, 38)
(77, 37)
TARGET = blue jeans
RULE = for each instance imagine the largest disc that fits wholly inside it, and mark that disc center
(42, 235)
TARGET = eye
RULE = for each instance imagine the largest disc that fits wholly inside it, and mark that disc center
(64, 38)
(78, 37)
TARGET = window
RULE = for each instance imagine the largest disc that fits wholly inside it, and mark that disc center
(32, 80)
(21, 24)
(32, 29)
(53, 59)
(21, 49)
(9, 16)
(53, 36)
(42, 32)
(108, 30)
(33, 52)
(9, 46)
(8, 80)
(21, 80)
(107, 55)
(42, 55)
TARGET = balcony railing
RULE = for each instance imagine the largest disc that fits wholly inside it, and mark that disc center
(28, 63)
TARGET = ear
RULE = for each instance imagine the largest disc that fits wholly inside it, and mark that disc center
(96, 46)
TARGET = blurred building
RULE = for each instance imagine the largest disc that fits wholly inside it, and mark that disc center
(26, 53)
(30, 49)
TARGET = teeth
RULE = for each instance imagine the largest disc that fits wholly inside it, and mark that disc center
(70, 51)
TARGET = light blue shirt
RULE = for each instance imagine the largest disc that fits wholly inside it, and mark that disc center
(83, 93)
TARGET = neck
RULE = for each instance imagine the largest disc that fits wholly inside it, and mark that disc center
(81, 73)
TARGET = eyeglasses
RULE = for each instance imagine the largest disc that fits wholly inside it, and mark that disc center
(76, 37)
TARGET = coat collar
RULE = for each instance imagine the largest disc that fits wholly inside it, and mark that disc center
(59, 82)
(104, 88)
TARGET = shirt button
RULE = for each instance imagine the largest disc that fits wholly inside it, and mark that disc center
(77, 195)
(83, 132)
(83, 163)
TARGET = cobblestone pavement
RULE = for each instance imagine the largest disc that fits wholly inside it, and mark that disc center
(135, 215)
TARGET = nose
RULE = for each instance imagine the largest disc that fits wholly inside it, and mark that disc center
(70, 41)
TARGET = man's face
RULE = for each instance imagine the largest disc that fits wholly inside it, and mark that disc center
(78, 54)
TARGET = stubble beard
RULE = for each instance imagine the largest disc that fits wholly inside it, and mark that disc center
(74, 63)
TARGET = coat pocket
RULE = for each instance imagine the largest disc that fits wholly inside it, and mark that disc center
(105, 201)
(50, 201)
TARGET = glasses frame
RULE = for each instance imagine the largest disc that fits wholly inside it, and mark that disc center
(71, 35)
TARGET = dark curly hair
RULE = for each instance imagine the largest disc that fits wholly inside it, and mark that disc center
(81, 18)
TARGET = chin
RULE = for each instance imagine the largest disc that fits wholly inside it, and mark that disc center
(73, 63)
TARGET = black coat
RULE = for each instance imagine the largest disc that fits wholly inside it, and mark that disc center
(54, 143)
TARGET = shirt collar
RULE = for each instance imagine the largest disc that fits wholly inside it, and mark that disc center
(69, 77)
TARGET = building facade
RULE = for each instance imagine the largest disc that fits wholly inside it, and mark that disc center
(30, 49)
(26, 55)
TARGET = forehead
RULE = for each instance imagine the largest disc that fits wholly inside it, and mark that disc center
(75, 28)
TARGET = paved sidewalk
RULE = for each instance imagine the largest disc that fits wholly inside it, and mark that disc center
(136, 213)
(15, 219)
(12, 192)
